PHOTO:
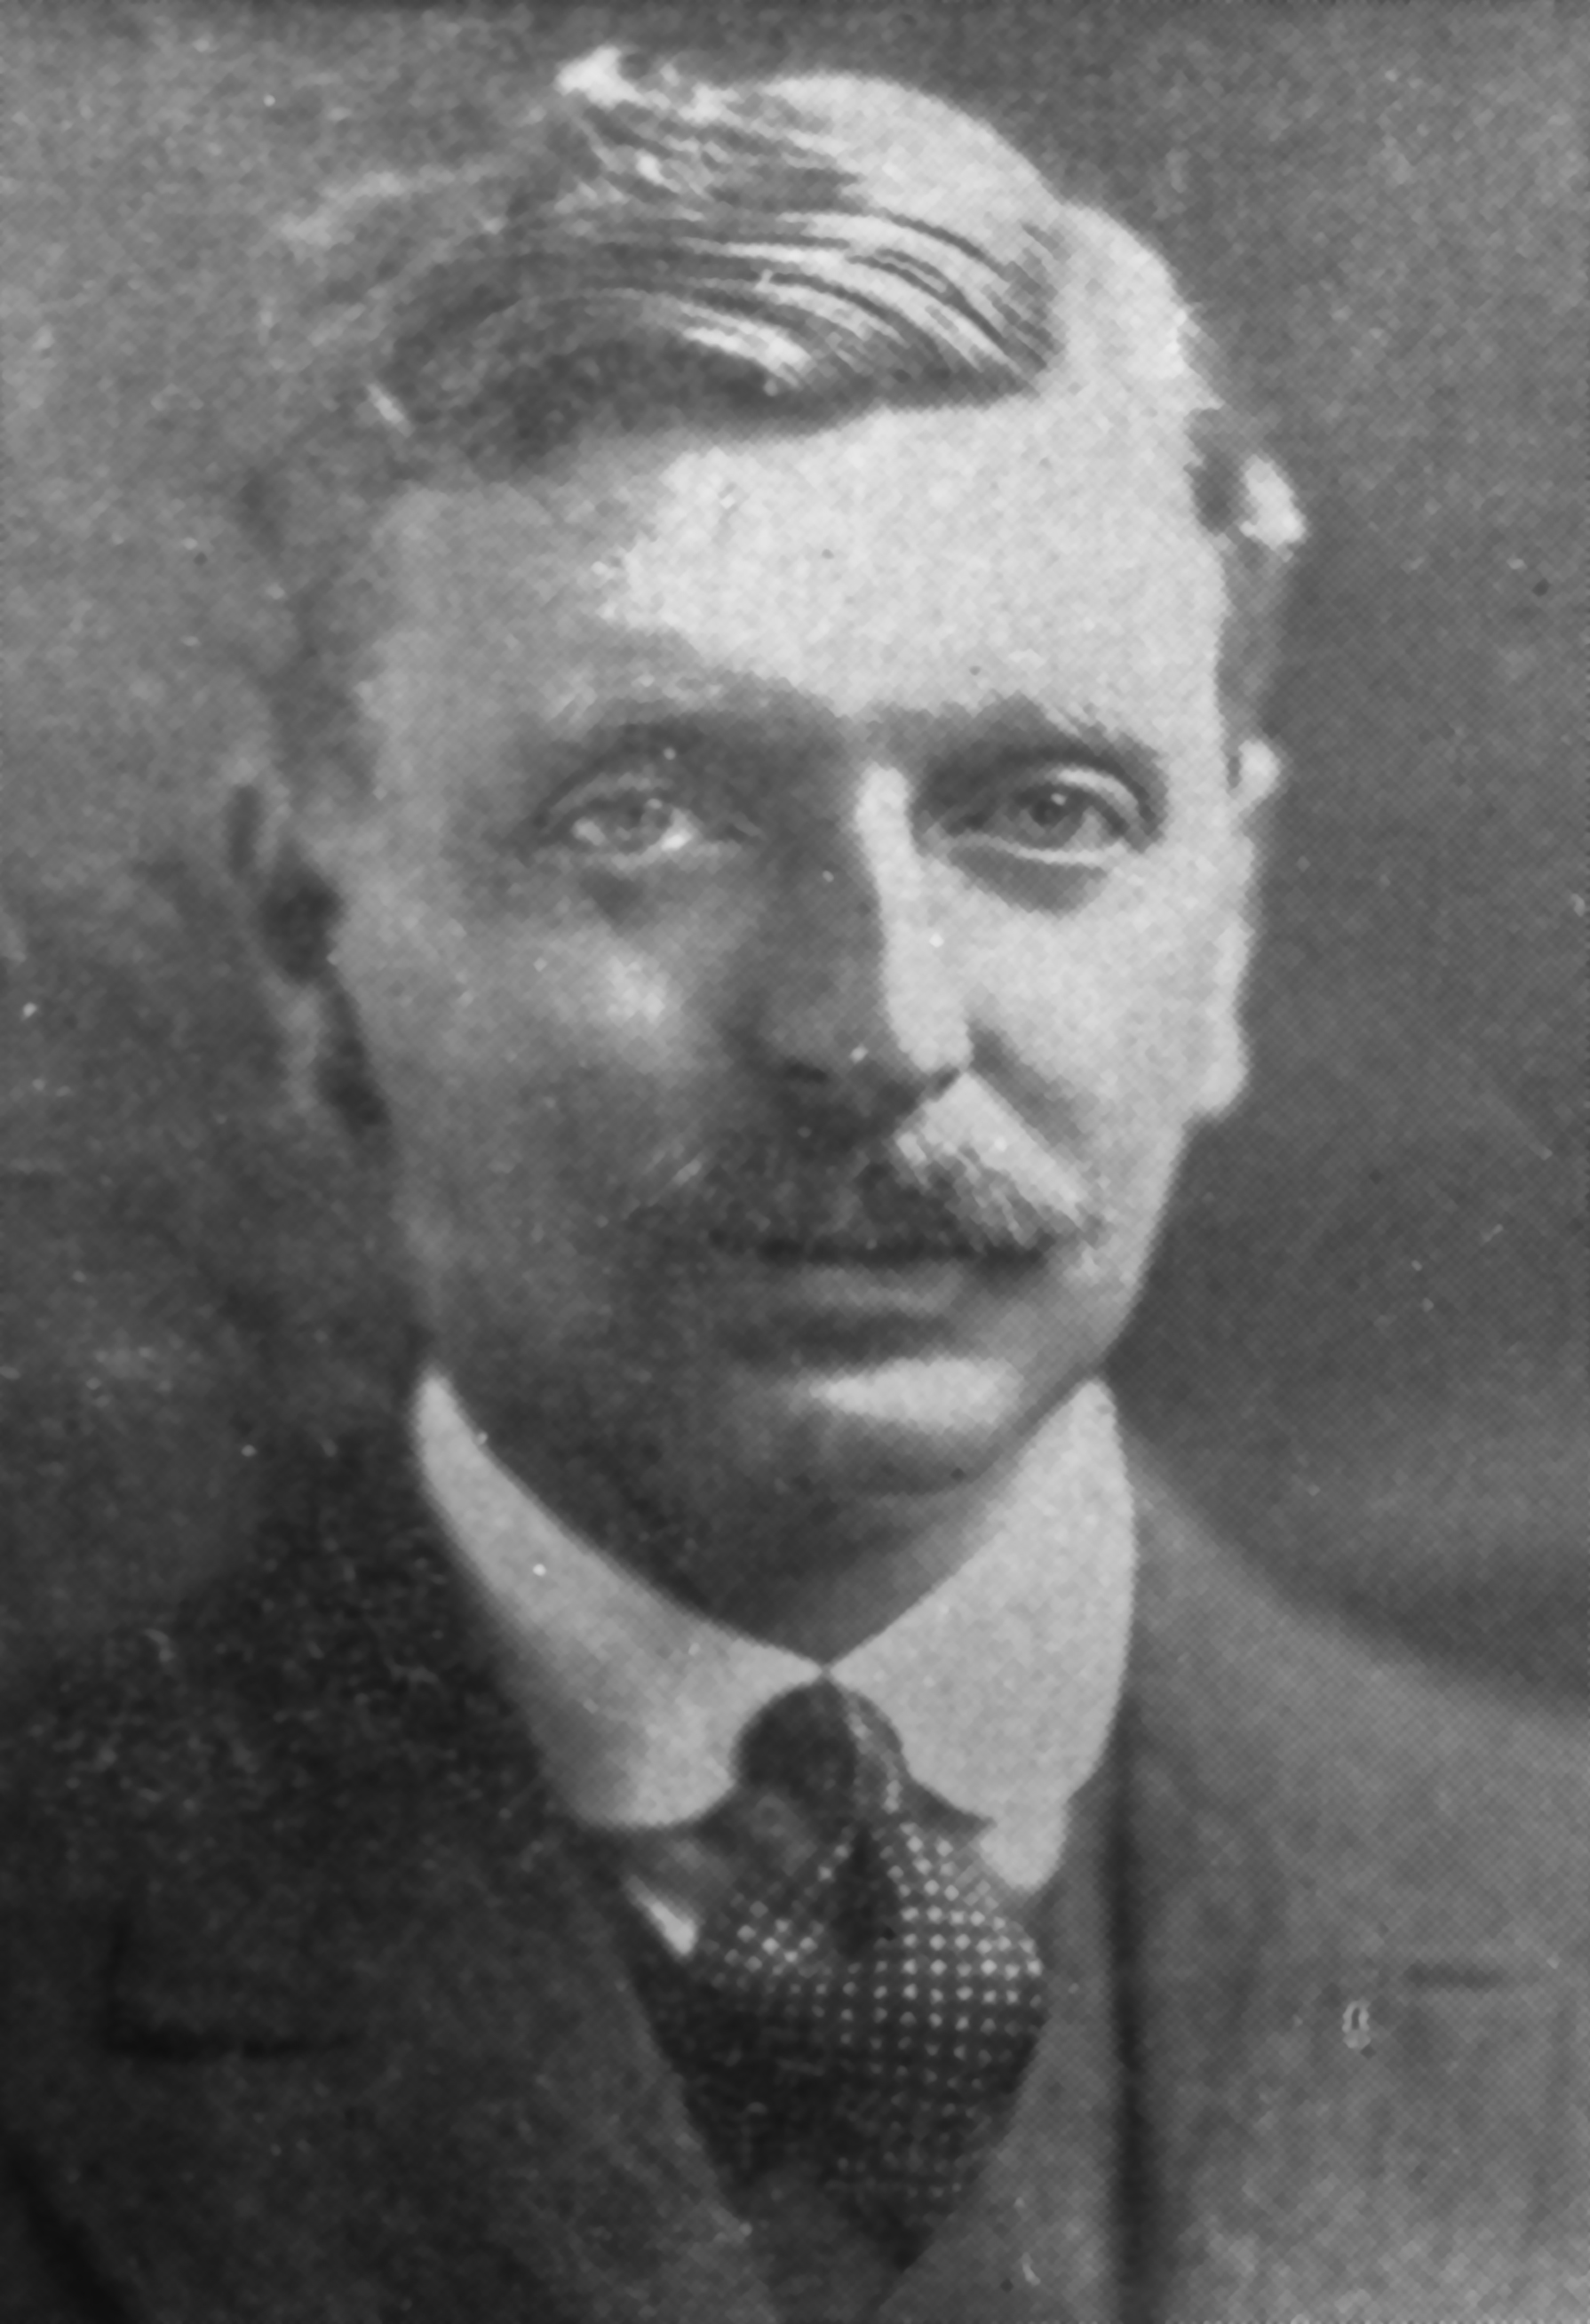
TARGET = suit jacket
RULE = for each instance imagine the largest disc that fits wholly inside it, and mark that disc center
(312, 2010)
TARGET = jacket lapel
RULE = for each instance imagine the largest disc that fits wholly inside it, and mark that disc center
(1347, 2128)
(1360, 2041)
(369, 2045)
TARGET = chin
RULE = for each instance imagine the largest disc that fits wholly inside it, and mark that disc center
(899, 1428)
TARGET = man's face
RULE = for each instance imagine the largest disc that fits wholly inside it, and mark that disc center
(797, 924)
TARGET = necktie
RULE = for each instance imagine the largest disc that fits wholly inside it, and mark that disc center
(873, 2007)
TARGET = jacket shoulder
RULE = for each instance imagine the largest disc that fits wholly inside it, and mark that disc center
(1390, 1786)
(279, 1727)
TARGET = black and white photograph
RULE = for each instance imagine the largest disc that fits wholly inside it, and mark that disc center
(793, 1324)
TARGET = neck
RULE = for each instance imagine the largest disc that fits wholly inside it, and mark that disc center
(823, 1576)
(879, 1557)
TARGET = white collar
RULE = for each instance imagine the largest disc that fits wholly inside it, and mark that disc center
(1002, 1682)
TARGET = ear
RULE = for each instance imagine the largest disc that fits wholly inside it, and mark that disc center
(292, 906)
(1257, 773)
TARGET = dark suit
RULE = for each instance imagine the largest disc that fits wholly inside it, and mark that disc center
(316, 2012)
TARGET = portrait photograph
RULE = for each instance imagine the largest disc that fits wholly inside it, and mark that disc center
(793, 1284)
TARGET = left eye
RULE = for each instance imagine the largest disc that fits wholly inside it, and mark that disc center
(1054, 815)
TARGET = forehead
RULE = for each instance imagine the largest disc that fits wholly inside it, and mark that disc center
(903, 559)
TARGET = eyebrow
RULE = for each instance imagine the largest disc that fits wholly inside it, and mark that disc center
(684, 692)
(694, 701)
(1016, 729)
(688, 690)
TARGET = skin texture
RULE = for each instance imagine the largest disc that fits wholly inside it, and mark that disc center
(776, 794)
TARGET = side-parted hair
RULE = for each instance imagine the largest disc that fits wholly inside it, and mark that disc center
(651, 244)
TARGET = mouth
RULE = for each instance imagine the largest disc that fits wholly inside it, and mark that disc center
(883, 1247)
(877, 1254)
(844, 1293)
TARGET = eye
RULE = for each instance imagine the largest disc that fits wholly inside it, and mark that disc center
(625, 819)
(1078, 813)
(634, 811)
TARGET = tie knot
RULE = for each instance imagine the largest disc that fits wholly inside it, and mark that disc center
(831, 1751)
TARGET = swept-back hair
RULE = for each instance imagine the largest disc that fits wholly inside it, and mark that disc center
(641, 245)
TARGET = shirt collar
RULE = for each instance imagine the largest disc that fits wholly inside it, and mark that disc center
(1002, 1682)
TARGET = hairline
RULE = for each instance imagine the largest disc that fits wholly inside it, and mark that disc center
(1121, 324)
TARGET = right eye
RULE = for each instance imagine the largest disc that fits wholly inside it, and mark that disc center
(630, 814)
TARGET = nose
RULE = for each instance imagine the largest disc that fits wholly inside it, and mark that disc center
(859, 1014)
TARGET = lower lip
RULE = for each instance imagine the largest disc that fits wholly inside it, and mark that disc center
(856, 1298)
(883, 1281)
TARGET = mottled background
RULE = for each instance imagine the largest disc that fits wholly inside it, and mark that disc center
(1363, 1347)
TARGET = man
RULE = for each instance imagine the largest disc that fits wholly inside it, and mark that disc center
(741, 1806)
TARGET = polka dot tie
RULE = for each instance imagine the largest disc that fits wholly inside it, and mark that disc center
(874, 2007)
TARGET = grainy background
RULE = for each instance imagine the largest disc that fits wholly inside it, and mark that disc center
(1363, 1346)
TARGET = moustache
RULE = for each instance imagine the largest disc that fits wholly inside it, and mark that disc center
(944, 1185)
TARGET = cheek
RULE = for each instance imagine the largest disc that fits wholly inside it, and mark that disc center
(1106, 1019)
(1165, 991)
(500, 1052)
